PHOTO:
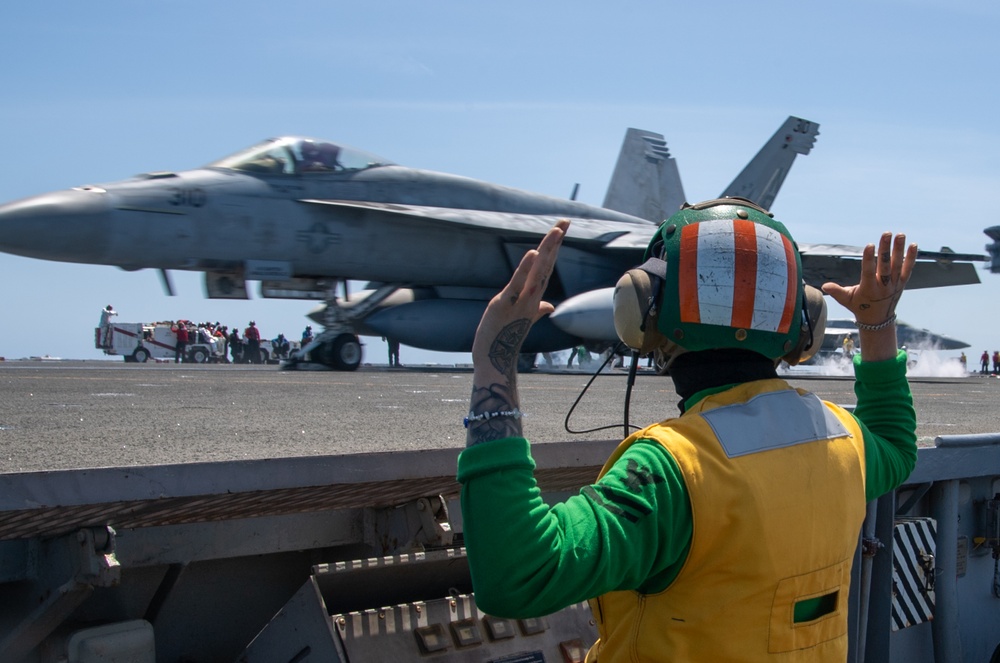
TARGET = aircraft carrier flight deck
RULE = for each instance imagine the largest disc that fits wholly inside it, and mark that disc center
(130, 494)
(65, 415)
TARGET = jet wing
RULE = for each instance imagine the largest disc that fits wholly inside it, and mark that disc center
(820, 262)
(842, 264)
(531, 227)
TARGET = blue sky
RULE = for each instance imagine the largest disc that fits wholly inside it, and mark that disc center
(525, 94)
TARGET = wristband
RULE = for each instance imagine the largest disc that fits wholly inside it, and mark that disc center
(486, 416)
(882, 325)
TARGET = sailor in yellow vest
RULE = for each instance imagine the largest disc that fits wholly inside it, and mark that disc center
(726, 533)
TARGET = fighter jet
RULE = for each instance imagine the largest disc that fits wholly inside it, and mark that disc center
(304, 216)
(906, 336)
(912, 339)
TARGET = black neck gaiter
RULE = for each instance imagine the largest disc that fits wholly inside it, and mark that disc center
(694, 371)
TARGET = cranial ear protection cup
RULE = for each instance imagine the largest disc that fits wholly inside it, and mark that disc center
(636, 303)
(813, 327)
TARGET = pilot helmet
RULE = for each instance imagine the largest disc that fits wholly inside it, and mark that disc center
(309, 150)
(721, 274)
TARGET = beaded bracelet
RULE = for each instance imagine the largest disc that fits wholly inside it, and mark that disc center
(882, 325)
(486, 416)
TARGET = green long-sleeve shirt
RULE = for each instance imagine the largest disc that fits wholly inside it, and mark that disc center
(630, 530)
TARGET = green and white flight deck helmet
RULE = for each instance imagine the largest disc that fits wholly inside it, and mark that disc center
(721, 274)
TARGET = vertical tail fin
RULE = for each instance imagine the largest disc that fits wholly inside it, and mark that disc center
(646, 182)
(764, 175)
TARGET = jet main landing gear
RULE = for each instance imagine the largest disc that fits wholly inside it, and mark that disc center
(338, 347)
(339, 351)
(343, 353)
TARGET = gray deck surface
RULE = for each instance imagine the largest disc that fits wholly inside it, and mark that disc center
(63, 415)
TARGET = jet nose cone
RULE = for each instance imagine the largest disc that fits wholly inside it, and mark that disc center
(70, 226)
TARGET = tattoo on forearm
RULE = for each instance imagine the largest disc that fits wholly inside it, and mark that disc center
(494, 398)
(503, 352)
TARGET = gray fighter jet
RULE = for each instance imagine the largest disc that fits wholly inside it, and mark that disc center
(912, 339)
(906, 335)
(304, 216)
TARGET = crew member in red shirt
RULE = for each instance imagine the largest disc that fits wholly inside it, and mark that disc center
(251, 352)
(181, 330)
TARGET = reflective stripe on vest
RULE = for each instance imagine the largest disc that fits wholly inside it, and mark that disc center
(744, 428)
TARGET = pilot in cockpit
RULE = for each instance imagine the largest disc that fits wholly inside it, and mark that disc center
(319, 156)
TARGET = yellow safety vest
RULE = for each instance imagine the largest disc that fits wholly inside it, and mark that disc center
(776, 480)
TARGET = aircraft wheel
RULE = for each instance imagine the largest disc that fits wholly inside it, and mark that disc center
(345, 352)
(140, 355)
(199, 356)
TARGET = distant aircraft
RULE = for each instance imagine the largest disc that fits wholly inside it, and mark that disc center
(906, 335)
(305, 216)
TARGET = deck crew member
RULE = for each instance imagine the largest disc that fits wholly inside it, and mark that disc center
(725, 533)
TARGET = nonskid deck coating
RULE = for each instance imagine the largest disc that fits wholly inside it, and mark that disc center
(64, 415)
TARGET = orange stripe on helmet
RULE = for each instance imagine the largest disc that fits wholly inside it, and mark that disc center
(745, 277)
(687, 276)
(793, 287)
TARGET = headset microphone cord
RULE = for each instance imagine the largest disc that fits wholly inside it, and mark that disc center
(628, 394)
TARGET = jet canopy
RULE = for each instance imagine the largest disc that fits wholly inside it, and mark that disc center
(292, 156)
